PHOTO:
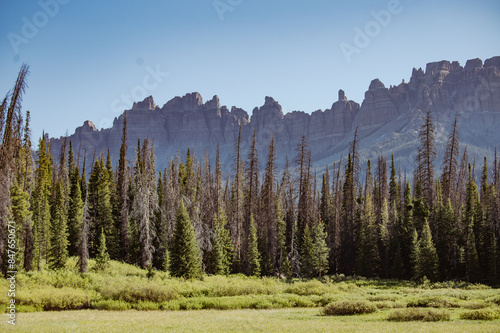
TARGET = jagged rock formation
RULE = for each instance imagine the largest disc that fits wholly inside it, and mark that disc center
(387, 120)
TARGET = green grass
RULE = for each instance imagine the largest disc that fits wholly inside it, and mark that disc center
(124, 298)
(125, 287)
(281, 320)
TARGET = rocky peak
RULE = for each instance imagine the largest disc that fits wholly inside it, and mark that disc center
(189, 102)
(376, 84)
(270, 108)
(434, 67)
(492, 62)
(240, 114)
(212, 104)
(87, 126)
(435, 72)
(342, 97)
(472, 64)
(147, 104)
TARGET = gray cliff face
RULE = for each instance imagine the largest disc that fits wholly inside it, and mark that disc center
(387, 120)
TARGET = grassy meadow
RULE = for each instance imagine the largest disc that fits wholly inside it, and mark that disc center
(128, 298)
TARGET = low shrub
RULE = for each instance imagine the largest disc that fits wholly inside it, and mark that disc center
(138, 292)
(217, 286)
(347, 308)
(417, 314)
(49, 298)
(111, 305)
(482, 314)
(146, 306)
(240, 302)
(433, 302)
(494, 300)
(473, 305)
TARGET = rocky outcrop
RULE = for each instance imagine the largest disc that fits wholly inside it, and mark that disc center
(387, 120)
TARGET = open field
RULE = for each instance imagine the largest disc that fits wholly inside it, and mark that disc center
(128, 299)
(282, 320)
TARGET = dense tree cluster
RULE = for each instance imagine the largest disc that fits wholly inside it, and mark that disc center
(189, 219)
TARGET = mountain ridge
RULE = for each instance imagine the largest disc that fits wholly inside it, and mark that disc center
(387, 120)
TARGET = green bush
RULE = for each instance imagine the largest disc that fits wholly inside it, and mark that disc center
(347, 308)
(49, 298)
(473, 305)
(494, 300)
(433, 302)
(417, 314)
(217, 286)
(146, 306)
(140, 291)
(482, 314)
(111, 305)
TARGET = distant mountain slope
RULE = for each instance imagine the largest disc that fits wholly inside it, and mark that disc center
(387, 120)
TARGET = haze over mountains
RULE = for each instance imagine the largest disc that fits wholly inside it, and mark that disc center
(387, 120)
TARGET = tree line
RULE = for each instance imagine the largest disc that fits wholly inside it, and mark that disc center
(191, 220)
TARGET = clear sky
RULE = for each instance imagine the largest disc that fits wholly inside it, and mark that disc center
(88, 57)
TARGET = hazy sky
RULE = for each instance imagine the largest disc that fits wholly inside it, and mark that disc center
(89, 58)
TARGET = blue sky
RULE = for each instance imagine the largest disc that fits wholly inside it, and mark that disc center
(87, 58)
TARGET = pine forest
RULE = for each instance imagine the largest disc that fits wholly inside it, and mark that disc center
(191, 219)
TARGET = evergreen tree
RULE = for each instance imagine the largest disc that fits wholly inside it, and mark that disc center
(472, 211)
(122, 188)
(267, 234)
(320, 249)
(472, 268)
(450, 163)
(446, 243)
(414, 254)
(222, 248)
(75, 209)
(307, 253)
(385, 239)
(425, 159)
(102, 257)
(237, 230)
(368, 258)
(101, 209)
(427, 259)
(26, 180)
(349, 208)
(145, 204)
(252, 178)
(83, 239)
(303, 163)
(21, 215)
(40, 203)
(253, 250)
(58, 231)
(185, 257)
(283, 263)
